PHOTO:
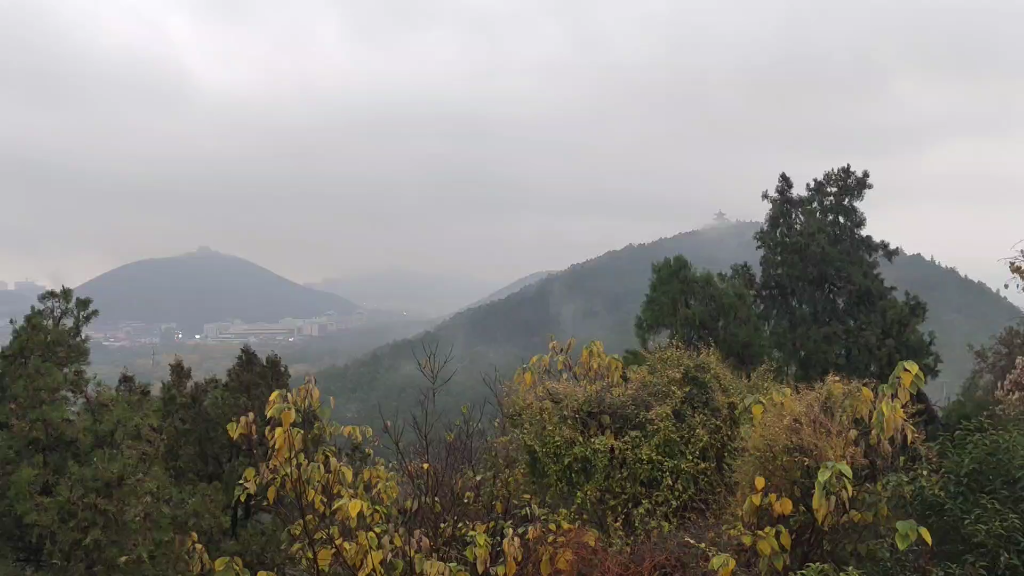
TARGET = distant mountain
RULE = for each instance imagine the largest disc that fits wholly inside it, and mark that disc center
(598, 299)
(510, 289)
(420, 294)
(201, 287)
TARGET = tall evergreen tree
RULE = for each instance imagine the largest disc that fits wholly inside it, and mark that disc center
(827, 306)
(42, 378)
(81, 487)
(701, 308)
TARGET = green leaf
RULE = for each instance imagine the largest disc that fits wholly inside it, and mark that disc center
(906, 526)
(824, 474)
(845, 469)
(902, 540)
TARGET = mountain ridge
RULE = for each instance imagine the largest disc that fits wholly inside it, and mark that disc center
(597, 299)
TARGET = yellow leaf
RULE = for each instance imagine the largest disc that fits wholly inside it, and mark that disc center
(425, 465)
(545, 565)
(323, 557)
(564, 559)
(906, 377)
(346, 472)
(265, 573)
(756, 499)
(785, 539)
(271, 494)
(759, 483)
(757, 410)
(866, 393)
(353, 508)
(287, 417)
(763, 547)
(925, 534)
(786, 506)
(221, 563)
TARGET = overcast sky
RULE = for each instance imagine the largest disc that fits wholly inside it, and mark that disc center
(491, 138)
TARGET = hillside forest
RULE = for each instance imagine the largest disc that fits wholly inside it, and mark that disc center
(767, 416)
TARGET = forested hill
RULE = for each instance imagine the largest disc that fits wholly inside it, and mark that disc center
(598, 299)
(201, 287)
(508, 290)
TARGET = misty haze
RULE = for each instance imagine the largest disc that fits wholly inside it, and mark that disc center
(593, 288)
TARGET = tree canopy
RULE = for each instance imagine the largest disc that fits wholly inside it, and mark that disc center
(699, 308)
(825, 301)
(820, 305)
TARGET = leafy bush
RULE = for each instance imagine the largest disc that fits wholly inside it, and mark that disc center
(630, 456)
(819, 476)
(343, 510)
(975, 500)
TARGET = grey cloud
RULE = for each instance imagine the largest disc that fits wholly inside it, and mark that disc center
(478, 136)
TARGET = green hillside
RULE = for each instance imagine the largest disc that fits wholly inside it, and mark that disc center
(599, 298)
(508, 290)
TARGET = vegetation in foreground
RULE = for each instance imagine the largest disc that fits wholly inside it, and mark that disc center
(692, 459)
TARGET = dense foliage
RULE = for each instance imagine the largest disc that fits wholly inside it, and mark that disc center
(821, 289)
(701, 308)
(974, 499)
(628, 455)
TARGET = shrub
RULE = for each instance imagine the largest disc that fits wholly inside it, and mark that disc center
(345, 511)
(975, 498)
(630, 456)
(821, 475)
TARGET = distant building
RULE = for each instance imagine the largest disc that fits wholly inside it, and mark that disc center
(29, 287)
(284, 329)
(3, 285)
(358, 318)
(233, 332)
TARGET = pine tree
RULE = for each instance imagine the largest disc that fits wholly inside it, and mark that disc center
(827, 306)
(81, 487)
